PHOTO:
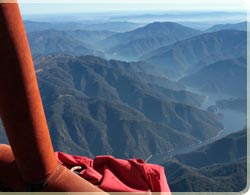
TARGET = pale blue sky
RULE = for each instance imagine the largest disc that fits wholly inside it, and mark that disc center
(76, 6)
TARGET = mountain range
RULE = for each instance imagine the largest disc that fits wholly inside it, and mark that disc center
(141, 109)
(133, 44)
(242, 26)
(226, 77)
(219, 167)
(116, 26)
(207, 17)
(76, 42)
(191, 55)
(95, 106)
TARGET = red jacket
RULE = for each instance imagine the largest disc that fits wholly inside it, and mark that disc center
(117, 175)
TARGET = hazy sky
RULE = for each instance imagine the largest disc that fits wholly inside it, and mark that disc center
(63, 6)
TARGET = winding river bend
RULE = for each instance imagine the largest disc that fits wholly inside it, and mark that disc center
(233, 121)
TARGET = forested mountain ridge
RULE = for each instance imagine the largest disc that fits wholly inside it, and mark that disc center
(90, 100)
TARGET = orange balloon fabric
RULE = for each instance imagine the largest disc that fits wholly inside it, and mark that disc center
(21, 107)
(9, 174)
(22, 113)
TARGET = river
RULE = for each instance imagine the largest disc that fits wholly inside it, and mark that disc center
(233, 121)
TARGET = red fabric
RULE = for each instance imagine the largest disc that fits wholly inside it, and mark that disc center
(117, 175)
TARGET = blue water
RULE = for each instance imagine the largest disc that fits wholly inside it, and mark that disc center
(233, 121)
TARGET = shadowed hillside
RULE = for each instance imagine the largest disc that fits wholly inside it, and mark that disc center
(219, 166)
(89, 100)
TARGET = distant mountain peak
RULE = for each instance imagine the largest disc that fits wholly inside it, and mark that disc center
(232, 26)
(133, 44)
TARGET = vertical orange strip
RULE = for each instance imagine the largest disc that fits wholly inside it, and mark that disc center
(22, 111)
(20, 104)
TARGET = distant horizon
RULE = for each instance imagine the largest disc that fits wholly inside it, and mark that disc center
(96, 6)
(207, 17)
(159, 12)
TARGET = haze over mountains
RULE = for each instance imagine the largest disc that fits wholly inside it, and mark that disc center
(32, 26)
(191, 55)
(135, 43)
(235, 26)
(152, 43)
(183, 90)
(237, 104)
(77, 42)
(228, 77)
